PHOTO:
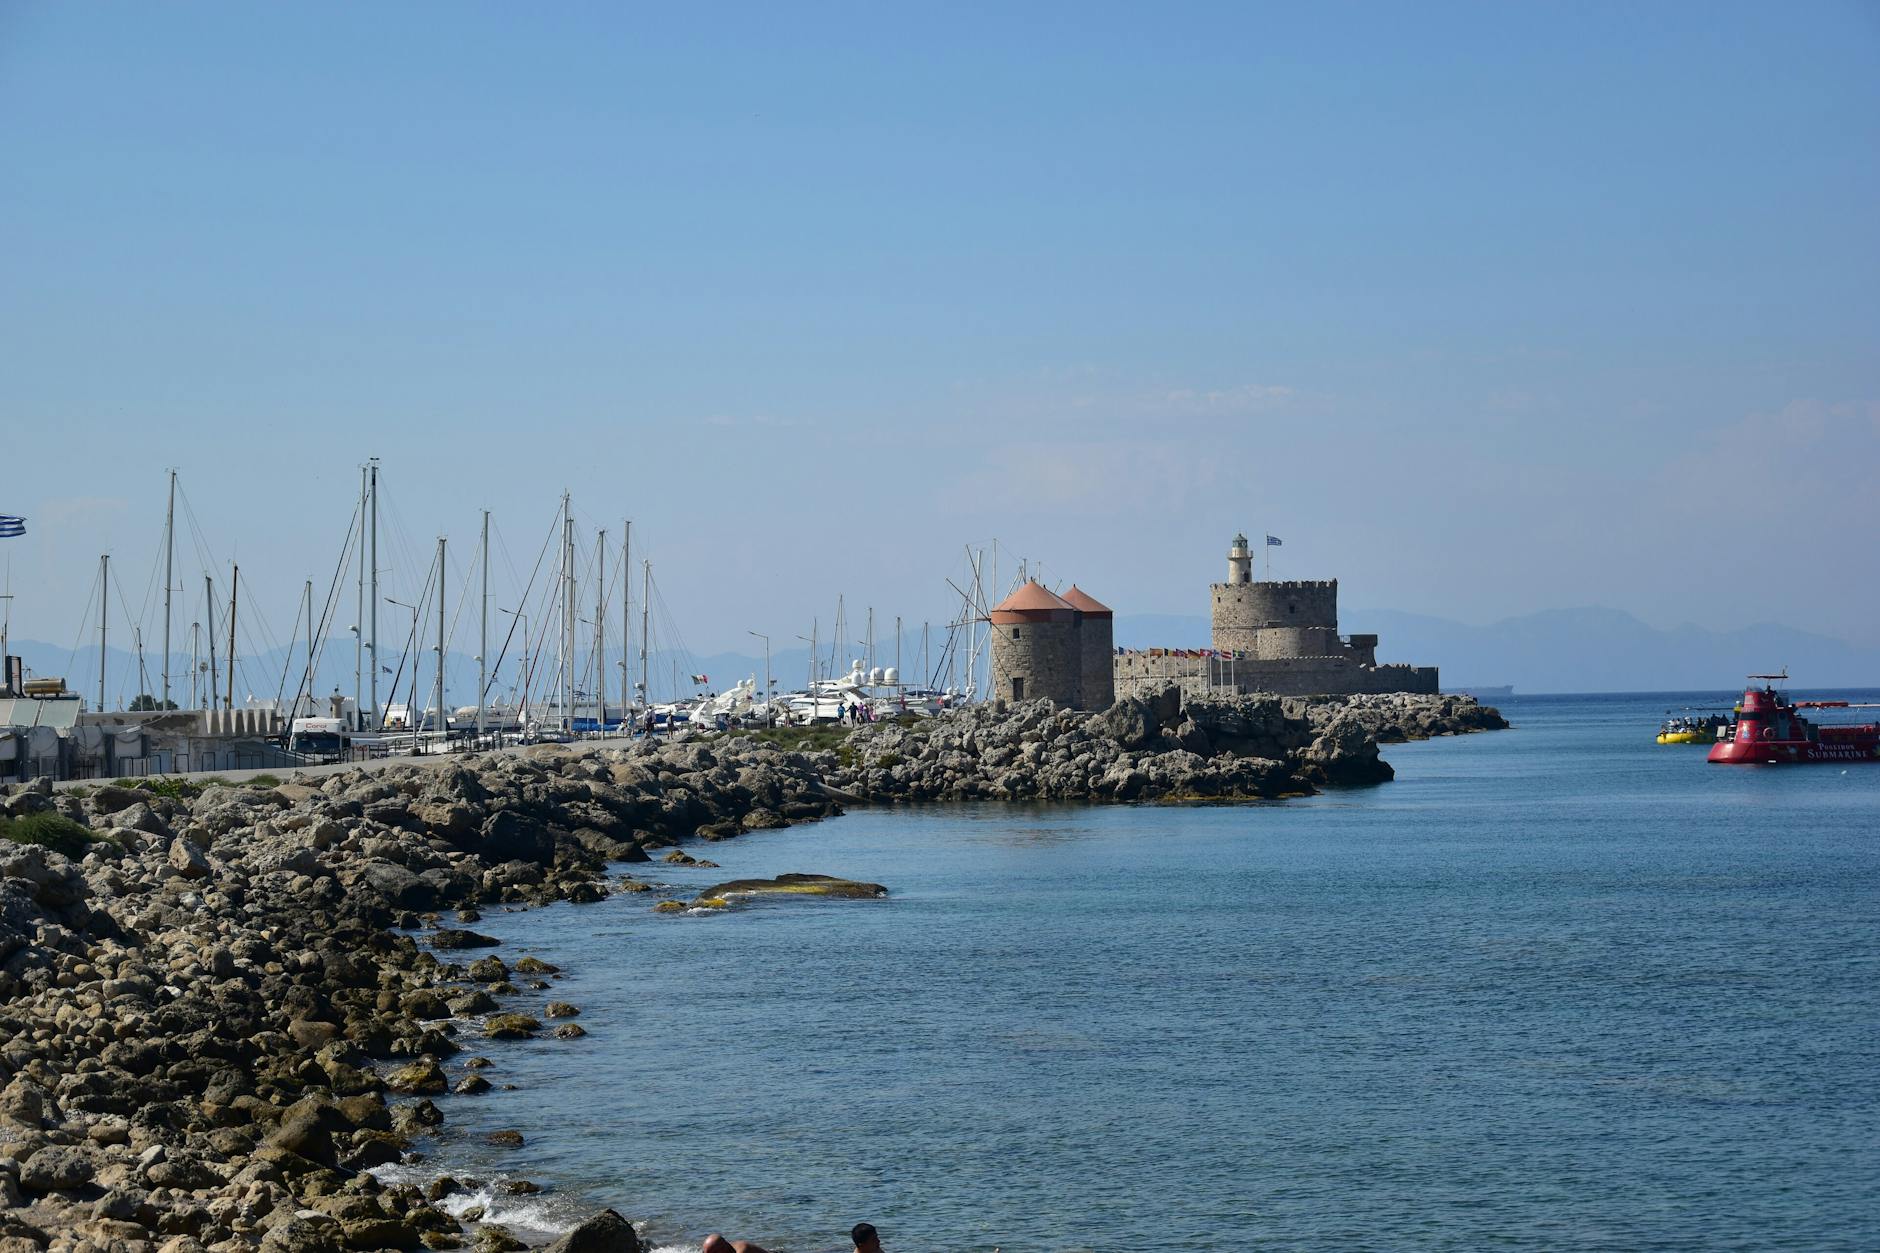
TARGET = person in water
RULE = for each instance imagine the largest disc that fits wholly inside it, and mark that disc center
(864, 1238)
(715, 1243)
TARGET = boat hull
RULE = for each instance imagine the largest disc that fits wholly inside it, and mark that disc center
(1794, 752)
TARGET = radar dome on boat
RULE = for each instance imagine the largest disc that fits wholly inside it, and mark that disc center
(891, 676)
(874, 676)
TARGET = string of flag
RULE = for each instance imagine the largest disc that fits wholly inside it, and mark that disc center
(1218, 654)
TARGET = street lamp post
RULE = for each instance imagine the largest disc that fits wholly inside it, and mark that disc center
(769, 713)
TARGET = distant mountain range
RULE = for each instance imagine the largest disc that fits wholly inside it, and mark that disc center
(1557, 650)
(1572, 650)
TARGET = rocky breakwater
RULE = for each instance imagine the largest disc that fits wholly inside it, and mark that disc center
(1161, 747)
(220, 1009)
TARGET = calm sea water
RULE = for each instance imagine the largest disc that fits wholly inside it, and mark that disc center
(1554, 988)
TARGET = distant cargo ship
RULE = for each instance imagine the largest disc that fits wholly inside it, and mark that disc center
(1770, 730)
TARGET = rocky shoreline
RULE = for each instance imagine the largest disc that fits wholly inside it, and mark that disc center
(223, 1006)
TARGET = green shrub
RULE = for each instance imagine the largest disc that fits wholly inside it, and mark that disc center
(48, 830)
(163, 785)
(808, 739)
(264, 780)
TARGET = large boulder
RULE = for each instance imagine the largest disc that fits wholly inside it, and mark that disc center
(296, 1234)
(187, 860)
(451, 939)
(510, 836)
(1345, 753)
(1136, 722)
(606, 1232)
(396, 885)
(58, 1168)
(110, 799)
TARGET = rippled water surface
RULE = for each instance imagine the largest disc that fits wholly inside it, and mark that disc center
(1556, 987)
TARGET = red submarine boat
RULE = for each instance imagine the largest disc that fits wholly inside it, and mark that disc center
(1770, 730)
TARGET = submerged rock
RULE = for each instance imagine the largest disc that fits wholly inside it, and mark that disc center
(795, 885)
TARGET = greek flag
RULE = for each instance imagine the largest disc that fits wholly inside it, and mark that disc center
(1272, 541)
(11, 526)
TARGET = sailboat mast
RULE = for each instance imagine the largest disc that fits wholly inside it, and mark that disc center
(626, 621)
(309, 650)
(838, 644)
(646, 601)
(169, 572)
(208, 604)
(600, 628)
(566, 642)
(372, 605)
(234, 591)
(443, 724)
(104, 599)
(483, 643)
(359, 619)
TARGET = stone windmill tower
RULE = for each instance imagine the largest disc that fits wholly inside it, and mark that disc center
(1037, 647)
(1097, 647)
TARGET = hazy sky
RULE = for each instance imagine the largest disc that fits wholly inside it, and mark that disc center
(1483, 309)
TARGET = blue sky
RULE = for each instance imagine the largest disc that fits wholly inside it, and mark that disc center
(1483, 308)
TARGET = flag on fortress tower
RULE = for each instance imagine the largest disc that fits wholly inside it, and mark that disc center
(11, 527)
(1272, 541)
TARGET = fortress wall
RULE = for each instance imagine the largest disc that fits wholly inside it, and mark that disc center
(1324, 676)
(1047, 656)
(1139, 674)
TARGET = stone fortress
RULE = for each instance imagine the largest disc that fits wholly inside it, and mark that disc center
(1279, 637)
